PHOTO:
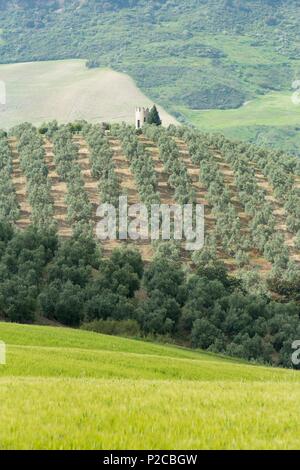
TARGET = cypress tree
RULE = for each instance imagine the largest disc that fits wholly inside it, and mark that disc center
(154, 117)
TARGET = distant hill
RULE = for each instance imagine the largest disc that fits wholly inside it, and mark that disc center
(67, 90)
(190, 55)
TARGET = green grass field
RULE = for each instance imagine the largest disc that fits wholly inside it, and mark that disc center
(67, 389)
(273, 109)
(272, 120)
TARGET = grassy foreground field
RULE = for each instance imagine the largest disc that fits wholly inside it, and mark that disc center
(67, 389)
(66, 90)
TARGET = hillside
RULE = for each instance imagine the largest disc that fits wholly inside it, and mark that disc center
(68, 389)
(238, 245)
(187, 56)
(239, 295)
(66, 91)
(271, 120)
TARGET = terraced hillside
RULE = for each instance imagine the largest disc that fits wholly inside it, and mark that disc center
(250, 196)
(70, 389)
(239, 295)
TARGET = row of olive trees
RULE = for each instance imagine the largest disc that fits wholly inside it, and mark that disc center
(269, 242)
(9, 207)
(262, 224)
(102, 164)
(31, 151)
(69, 170)
(169, 153)
(280, 173)
(227, 233)
(141, 163)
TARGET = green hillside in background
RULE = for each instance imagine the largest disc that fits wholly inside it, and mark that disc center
(188, 56)
(271, 120)
(70, 389)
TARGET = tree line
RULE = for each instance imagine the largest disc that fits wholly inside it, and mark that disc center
(9, 207)
(30, 146)
(68, 281)
(102, 164)
(141, 163)
(68, 168)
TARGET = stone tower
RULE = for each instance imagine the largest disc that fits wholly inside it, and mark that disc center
(141, 115)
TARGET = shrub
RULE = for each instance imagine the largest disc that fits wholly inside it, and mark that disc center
(127, 328)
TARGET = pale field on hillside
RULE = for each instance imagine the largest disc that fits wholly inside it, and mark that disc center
(66, 90)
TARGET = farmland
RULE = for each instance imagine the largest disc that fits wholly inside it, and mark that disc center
(66, 90)
(54, 269)
(113, 393)
(273, 109)
(149, 273)
(271, 120)
(106, 166)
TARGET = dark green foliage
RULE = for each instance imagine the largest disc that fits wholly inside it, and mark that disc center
(211, 310)
(127, 328)
(9, 208)
(123, 271)
(227, 320)
(109, 294)
(63, 303)
(163, 281)
(286, 282)
(24, 256)
(153, 117)
(68, 282)
(103, 287)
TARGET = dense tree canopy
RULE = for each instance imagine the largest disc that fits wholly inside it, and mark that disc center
(153, 117)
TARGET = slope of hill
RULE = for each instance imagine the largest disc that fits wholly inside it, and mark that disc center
(68, 389)
(196, 161)
(52, 182)
(271, 120)
(66, 91)
(184, 55)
